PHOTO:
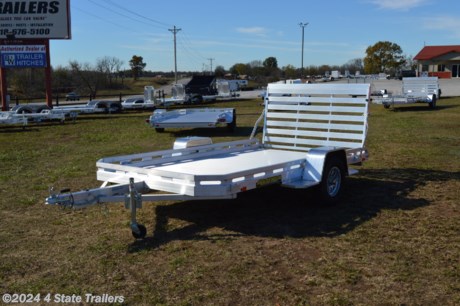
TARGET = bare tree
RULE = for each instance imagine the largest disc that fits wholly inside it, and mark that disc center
(109, 66)
(90, 78)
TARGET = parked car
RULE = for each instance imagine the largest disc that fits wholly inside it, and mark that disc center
(109, 107)
(72, 96)
(136, 103)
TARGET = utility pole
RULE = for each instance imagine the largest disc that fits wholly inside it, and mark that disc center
(302, 25)
(174, 31)
(210, 60)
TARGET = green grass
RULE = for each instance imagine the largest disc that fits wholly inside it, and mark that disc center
(394, 239)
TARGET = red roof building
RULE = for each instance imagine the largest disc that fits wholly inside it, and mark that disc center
(441, 61)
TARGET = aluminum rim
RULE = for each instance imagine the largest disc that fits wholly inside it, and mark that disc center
(334, 181)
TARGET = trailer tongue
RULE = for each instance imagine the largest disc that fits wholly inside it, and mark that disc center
(311, 134)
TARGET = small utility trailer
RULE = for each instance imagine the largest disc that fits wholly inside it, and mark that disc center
(10, 117)
(312, 134)
(414, 90)
(193, 118)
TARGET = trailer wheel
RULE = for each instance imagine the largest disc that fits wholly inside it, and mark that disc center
(386, 105)
(331, 185)
(142, 232)
(432, 104)
(232, 125)
(159, 130)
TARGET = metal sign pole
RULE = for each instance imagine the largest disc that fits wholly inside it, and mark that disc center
(49, 92)
(3, 89)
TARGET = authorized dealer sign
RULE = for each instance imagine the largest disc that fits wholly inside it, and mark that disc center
(26, 56)
(47, 19)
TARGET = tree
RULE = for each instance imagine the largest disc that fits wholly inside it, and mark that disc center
(289, 72)
(26, 82)
(270, 62)
(89, 77)
(384, 56)
(110, 66)
(239, 69)
(410, 62)
(137, 65)
(354, 65)
(271, 69)
(219, 71)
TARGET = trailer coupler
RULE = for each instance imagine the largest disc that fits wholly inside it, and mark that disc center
(63, 199)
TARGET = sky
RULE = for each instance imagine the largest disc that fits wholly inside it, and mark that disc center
(241, 31)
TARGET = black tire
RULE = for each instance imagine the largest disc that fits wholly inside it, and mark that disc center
(333, 179)
(24, 110)
(159, 130)
(386, 105)
(232, 126)
(142, 232)
(432, 104)
(197, 99)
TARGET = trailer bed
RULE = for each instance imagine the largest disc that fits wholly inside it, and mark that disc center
(211, 170)
(227, 165)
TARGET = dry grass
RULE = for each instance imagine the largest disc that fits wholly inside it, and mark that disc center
(394, 239)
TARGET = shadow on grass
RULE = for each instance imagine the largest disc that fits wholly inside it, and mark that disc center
(30, 127)
(422, 107)
(277, 212)
(212, 132)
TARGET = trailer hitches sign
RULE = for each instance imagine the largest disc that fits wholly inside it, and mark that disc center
(35, 19)
(23, 56)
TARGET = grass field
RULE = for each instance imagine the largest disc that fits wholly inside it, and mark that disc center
(394, 239)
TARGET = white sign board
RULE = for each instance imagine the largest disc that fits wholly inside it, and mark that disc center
(47, 19)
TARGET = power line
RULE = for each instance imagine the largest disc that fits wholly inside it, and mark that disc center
(120, 14)
(99, 18)
(137, 14)
(186, 47)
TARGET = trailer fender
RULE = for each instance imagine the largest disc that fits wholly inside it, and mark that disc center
(316, 160)
(191, 141)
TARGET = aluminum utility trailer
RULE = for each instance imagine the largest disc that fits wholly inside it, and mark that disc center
(15, 118)
(178, 96)
(311, 134)
(193, 118)
(414, 90)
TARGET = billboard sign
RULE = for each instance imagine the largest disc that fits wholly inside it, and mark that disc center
(26, 19)
(23, 56)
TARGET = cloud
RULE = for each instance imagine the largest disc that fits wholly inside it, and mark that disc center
(400, 5)
(448, 24)
(259, 31)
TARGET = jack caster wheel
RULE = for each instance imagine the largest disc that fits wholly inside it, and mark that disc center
(140, 232)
